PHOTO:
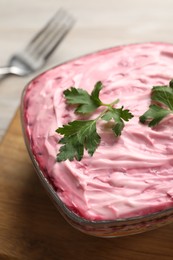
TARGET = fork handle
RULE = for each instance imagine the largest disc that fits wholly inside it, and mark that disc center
(14, 70)
(4, 71)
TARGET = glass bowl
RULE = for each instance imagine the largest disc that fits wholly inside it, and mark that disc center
(101, 228)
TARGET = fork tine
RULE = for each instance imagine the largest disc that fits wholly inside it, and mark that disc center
(55, 38)
(43, 34)
(49, 51)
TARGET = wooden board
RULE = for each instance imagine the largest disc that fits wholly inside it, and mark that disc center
(31, 228)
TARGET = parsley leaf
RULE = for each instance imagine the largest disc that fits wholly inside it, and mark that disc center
(95, 93)
(154, 115)
(80, 135)
(118, 115)
(163, 95)
(162, 105)
(70, 150)
(86, 103)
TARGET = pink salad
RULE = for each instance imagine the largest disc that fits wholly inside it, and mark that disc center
(128, 176)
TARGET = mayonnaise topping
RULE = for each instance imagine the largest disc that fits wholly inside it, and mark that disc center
(128, 176)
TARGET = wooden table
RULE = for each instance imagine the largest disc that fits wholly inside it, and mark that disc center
(30, 226)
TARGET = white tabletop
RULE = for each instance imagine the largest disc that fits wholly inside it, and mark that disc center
(100, 24)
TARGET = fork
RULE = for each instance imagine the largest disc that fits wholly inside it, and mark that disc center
(39, 49)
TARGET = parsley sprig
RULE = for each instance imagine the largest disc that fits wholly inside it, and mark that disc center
(82, 134)
(161, 105)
